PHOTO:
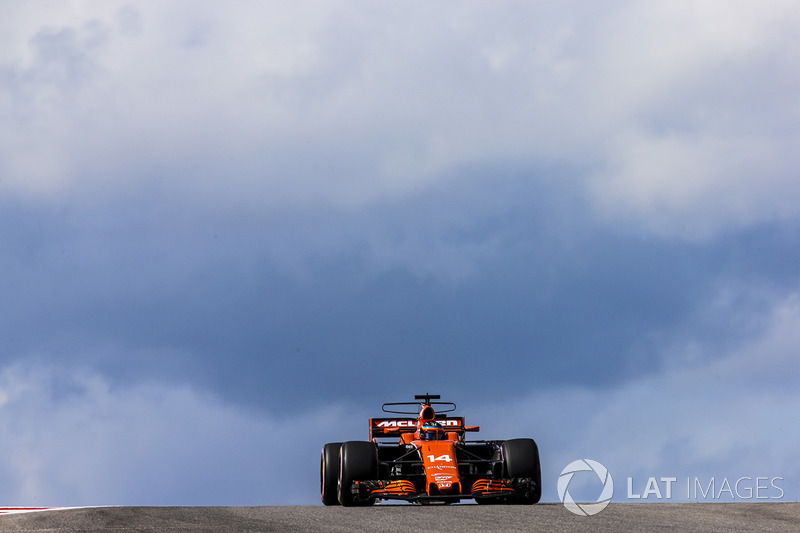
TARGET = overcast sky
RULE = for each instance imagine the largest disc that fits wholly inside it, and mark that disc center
(230, 231)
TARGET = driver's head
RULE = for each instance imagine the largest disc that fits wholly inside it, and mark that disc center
(431, 431)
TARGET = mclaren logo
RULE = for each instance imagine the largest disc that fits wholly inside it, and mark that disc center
(413, 423)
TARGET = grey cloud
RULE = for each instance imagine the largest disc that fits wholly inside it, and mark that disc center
(337, 112)
(150, 444)
(490, 282)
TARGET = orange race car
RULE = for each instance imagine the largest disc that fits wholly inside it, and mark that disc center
(427, 459)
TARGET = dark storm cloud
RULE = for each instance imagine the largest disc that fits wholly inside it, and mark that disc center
(490, 281)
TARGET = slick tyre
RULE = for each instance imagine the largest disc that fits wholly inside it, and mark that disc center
(329, 473)
(358, 461)
(521, 460)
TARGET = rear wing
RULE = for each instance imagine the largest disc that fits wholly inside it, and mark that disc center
(394, 427)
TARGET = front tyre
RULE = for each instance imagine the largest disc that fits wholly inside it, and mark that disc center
(358, 461)
(521, 460)
(329, 473)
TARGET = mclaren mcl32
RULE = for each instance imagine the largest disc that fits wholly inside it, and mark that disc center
(427, 459)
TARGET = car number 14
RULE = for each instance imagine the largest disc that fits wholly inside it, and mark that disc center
(446, 458)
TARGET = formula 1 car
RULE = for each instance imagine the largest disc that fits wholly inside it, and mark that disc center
(428, 460)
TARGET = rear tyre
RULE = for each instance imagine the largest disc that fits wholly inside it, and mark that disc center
(521, 460)
(329, 473)
(358, 461)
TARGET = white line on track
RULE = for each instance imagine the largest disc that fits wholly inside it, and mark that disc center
(19, 510)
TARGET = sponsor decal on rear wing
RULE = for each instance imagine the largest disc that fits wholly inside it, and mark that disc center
(392, 427)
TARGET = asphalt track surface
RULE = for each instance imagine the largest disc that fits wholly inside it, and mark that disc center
(727, 517)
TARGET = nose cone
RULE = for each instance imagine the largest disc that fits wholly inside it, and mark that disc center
(441, 467)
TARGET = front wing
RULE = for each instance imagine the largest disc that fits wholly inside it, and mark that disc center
(482, 489)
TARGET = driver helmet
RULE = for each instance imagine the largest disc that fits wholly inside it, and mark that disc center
(431, 431)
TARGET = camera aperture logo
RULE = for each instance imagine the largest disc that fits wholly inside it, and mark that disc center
(585, 465)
